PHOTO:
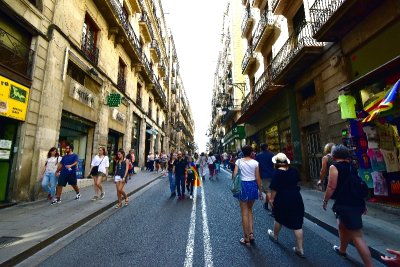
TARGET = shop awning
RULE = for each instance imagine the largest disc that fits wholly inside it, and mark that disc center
(381, 72)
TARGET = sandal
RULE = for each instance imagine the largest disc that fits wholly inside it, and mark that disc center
(271, 235)
(244, 242)
(251, 237)
(119, 205)
(126, 202)
(298, 252)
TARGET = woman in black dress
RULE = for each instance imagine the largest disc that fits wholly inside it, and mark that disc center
(286, 201)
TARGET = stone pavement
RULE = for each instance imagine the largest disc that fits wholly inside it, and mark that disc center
(28, 227)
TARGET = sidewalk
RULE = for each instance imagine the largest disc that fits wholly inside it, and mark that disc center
(381, 224)
(26, 228)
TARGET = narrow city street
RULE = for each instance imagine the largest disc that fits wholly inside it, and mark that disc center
(156, 230)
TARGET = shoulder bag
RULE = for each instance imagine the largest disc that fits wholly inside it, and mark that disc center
(237, 182)
(95, 169)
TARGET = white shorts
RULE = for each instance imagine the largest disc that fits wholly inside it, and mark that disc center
(117, 178)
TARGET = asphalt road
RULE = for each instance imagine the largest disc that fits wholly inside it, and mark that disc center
(156, 230)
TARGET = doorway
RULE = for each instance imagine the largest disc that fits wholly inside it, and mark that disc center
(314, 150)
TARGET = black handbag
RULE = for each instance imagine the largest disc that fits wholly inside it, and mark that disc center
(95, 169)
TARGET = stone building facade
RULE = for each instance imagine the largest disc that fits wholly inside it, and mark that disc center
(99, 73)
(301, 55)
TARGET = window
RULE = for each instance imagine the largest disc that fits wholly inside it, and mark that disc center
(121, 83)
(308, 92)
(150, 112)
(139, 95)
(157, 117)
(37, 4)
(89, 39)
(298, 19)
(76, 73)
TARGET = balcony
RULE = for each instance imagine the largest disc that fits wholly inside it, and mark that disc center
(279, 6)
(121, 83)
(16, 56)
(335, 18)
(145, 27)
(248, 60)
(161, 68)
(90, 50)
(246, 103)
(155, 51)
(166, 81)
(173, 88)
(258, 3)
(136, 6)
(247, 23)
(265, 29)
(119, 25)
(300, 50)
(159, 92)
(147, 70)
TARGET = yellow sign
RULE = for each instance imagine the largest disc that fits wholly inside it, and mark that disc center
(13, 99)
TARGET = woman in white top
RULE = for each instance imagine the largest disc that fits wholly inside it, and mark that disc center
(203, 165)
(251, 190)
(48, 175)
(211, 165)
(102, 162)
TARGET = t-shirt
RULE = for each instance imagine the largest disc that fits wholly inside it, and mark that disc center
(180, 166)
(164, 158)
(386, 137)
(365, 174)
(103, 163)
(225, 156)
(380, 185)
(266, 166)
(211, 160)
(372, 136)
(52, 164)
(347, 106)
(247, 169)
(68, 160)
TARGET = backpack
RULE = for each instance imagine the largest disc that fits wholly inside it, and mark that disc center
(354, 186)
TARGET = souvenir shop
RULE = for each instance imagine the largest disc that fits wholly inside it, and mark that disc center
(373, 116)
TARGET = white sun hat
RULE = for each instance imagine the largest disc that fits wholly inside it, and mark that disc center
(280, 158)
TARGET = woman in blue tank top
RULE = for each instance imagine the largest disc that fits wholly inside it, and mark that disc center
(121, 172)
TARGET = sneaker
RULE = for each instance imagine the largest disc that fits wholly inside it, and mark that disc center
(272, 236)
(55, 201)
(191, 197)
(102, 195)
(298, 252)
(95, 198)
(78, 196)
(337, 250)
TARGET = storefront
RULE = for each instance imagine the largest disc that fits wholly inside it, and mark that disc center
(136, 137)
(235, 139)
(114, 142)
(13, 105)
(79, 132)
(370, 105)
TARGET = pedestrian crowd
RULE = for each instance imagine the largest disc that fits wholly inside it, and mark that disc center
(260, 174)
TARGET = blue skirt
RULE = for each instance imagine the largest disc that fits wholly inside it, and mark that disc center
(249, 191)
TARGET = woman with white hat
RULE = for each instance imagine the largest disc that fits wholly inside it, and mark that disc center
(286, 202)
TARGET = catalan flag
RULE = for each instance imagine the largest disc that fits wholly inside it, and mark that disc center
(384, 105)
(196, 176)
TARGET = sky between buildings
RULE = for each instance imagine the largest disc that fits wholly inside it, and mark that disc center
(197, 27)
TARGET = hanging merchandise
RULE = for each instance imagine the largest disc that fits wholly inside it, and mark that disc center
(366, 175)
(380, 185)
(391, 160)
(377, 160)
(372, 136)
(347, 106)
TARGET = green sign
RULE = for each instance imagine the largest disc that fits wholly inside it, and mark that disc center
(114, 100)
(238, 132)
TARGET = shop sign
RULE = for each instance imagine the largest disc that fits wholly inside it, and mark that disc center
(239, 132)
(82, 94)
(13, 99)
(118, 116)
(114, 100)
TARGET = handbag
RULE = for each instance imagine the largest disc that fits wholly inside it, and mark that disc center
(237, 183)
(95, 169)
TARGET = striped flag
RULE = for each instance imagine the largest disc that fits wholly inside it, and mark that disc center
(196, 176)
(385, 104)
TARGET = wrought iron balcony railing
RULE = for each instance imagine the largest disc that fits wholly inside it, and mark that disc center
(89, 49)
(15, 54)
(246, 59)
(267, 20)
(127, 26)
(154, 45)
(146, 64)
(246, 17)
(262, 83)
(159, 91)
(299, 39)
(246, 103)
(322, 10)
(145, 18)
(121, 83)
(274, 3)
